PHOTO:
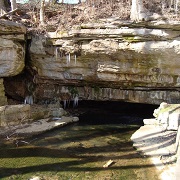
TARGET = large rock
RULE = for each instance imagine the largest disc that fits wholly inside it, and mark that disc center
(168, 115)
(12, 48)
(12, 115)
(9, 27)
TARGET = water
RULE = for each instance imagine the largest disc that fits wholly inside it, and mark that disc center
(79, 151)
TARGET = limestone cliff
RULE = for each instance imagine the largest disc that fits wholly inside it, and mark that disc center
(110, 60)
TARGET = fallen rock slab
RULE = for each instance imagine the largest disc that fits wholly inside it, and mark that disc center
(39, 126)
(159, 144)
(43, 125)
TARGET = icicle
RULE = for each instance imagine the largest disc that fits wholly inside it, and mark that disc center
(65, 102)
(75, 104)
(68, 102)
(61, 54)
(75, 59)
(56, 53)
(28, 100)
(69, 57)
(25, 100)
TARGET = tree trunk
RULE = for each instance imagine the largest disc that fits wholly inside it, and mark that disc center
(42, 13)
(176, 6)
(13, 5)
(2, 7)
(137, 11)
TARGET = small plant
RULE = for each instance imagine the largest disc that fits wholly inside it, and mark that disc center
(75, 95)
(73, 91)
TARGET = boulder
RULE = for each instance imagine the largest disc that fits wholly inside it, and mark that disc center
(12, 48)
(168, 115)
(11, 115)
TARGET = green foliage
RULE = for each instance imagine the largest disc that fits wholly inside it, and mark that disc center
(96, 89)
(73, 91)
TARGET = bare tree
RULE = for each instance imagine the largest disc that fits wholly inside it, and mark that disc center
(174, 5)
(13, 5)
(2, 8)
(42, 12)
(138, 11)
(176, 2)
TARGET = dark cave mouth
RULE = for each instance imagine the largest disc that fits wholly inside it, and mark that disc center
(112, 112)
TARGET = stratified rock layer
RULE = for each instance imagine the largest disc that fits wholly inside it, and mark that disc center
(112, 60)
(12, 48)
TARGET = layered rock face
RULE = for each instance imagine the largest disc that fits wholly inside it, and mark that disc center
(112, 60)
(12, 52)
(12, 48)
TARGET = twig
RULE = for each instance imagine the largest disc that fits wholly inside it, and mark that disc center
(108, 164)
(9, 136)
(9, 13)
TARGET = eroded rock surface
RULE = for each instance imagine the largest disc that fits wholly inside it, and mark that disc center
(12, 48)
(112, 60)
(168, 115)
(13, 115)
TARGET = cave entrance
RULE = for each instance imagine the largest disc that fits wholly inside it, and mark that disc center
(112, 112)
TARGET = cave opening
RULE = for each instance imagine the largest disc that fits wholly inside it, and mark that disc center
(112, 112)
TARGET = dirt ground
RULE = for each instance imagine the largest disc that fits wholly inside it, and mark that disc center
(64, 16)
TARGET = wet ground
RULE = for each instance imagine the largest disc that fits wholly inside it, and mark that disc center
(79, 151)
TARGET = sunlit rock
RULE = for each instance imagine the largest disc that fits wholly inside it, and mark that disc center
(168, 115)
(12, 48)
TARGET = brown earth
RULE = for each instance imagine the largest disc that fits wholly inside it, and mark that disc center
(64, 16)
